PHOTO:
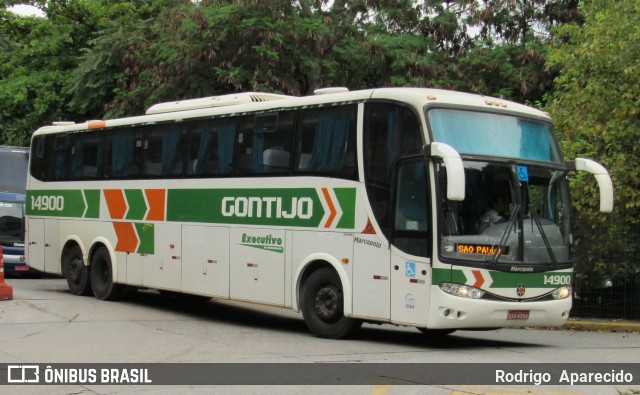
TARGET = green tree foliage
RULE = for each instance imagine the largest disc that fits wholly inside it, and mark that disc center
(202, 48)
(596, 106)
(34, 65)
(44, 76)
(199, 49)
(106, 58)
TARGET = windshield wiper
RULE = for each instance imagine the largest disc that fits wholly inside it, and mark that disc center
(536, 219)
(504, 236)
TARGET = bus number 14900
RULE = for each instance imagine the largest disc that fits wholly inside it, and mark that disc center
(47, 203)
(557, 280)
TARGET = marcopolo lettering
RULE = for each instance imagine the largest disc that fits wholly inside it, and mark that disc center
(359, 240)
(267, 207)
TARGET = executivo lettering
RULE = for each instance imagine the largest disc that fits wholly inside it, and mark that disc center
(268, 242)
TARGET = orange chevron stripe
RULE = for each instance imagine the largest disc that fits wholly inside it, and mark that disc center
(332, 208)
(116, 203)
(127, 238)
(479, 278)
(156, 199)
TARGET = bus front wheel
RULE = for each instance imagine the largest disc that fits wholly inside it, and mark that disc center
(101, 272)
(76, 272)
(323, 306)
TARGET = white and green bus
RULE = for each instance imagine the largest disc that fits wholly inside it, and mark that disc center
(408, 206)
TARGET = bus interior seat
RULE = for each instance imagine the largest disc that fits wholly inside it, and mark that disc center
(303, 163)
(275, 159)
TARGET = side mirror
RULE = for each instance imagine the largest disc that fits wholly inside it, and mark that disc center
(602, 177)
(454, 166)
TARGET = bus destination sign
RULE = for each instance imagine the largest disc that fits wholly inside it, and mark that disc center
(482, 249)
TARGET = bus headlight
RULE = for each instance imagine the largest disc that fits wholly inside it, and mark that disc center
(463, 291)
(562, 292)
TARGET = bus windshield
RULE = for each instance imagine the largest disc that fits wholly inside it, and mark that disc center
(11, 218)
(480, 133)
(513, 214)
(13, 172)
(13, 182)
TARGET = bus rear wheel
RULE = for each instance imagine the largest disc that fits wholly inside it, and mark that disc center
(323, 306)
(101, 272)
(76, 272)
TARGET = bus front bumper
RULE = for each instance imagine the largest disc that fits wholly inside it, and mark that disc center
(453, 312)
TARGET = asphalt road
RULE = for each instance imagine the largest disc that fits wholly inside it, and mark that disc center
(45, 324)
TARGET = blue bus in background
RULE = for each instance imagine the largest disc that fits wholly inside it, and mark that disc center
(13, 178)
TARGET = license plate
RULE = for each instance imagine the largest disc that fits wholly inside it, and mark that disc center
(22, 268)
(518, 315)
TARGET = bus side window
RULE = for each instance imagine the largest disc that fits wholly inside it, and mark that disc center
(264, 143)
(211, 147)
(164, 151)
(41, 158)
(391, 132)
(61, 157)
(87, 155)
(325, 143)
(124, 154)
(411, 211)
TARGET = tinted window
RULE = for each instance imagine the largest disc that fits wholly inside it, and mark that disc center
(264, 143)
(211, 145)
(164, 151)
(391, 132)
(87, 155)
(325, 143)
(124, 154)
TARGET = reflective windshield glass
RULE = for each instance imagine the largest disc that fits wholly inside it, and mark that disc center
(478, 133)
(13, 171)
(511, 214)
(11, 230)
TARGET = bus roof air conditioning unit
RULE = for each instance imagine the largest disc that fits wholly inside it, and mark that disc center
(214, 101)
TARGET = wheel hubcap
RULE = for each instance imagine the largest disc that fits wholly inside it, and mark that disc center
(75, 270)
(326, 304)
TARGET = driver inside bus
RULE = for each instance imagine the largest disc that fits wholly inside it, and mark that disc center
(494, 215)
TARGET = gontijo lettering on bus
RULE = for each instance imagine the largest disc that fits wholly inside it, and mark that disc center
(328, 208)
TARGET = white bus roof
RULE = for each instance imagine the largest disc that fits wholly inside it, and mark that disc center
(255, 101)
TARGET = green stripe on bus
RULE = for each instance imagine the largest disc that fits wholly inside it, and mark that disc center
(136, 203)
(92, 197)
(506, 279)
(347, 200)
(530, 280)
(64, 203)
(146, 235)
(299, 207)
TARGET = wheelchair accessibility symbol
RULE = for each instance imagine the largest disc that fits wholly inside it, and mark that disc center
(523, 174)
(410, 269)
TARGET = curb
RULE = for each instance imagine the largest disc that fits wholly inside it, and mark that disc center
(604, 325)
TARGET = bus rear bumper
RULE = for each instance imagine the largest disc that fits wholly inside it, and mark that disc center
(452, 312)
(15, 264)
